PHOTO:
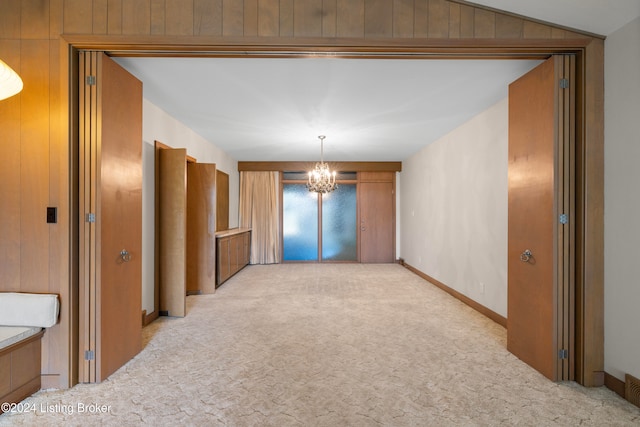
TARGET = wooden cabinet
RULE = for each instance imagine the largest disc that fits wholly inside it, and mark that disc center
(233, 251)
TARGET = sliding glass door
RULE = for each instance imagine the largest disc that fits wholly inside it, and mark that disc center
(319, 227)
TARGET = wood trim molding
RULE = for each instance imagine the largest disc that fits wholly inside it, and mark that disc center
(465, 299)
(188, 46)
(304, 166)
(615, 385)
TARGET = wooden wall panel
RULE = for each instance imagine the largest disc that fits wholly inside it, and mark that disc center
(268, 18)
(421, 18)
(250, 18)
(329, 18)
(207, 17)
(467, 22)
(403, 18)
(438, 19)
(34, 21)
(307, 18)
(178, 18)
(10, 119)
(378, 18)
(157, 17)
(34, 165)
(484, 23)
(534, 30)
(232, 18)
(10, 19)
(114, 17)
(55, 18)
(508, 27)
(77, 17)
(350, 18)
(454, 21)
(100, 16)
(136, 17)
(286, 18)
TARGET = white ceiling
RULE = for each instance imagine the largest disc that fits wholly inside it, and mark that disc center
(369, 109)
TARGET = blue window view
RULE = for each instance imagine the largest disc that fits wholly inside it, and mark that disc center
(339, 224)
(300, 224)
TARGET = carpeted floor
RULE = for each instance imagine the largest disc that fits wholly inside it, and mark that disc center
(326, 345)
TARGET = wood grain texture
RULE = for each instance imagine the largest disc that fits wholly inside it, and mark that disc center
(34, 19)
(378, 18)
(232, 18)
(201, 228)
(350, 21)
(403, 18)
(34, 165)
(10, 177)
(178, 18)
(10, 19)
(438, 19)
(172, 193)
(376, 206)
(305, 166)
(307, 18)
(532, 323)
(118, 218)
(136, 17)
(250, 18)
(157, 17)
(77, 17)
(329, 18)
(207, 18)
(222, 201)
(114, 17)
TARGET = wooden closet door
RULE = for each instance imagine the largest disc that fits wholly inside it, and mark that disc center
(172, 230)
(111, 217)
(201, 228)
(540, 273)
(377, 217)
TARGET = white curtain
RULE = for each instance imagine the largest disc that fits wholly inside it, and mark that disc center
(259, 211)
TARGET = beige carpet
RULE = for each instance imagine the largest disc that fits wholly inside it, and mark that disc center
(327, 345)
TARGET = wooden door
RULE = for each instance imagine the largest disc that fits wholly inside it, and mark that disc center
(111, 216)
(377, 217)
(540, 281)
(201, 228)
(172, 230)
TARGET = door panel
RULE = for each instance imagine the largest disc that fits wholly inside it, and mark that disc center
(173, 231)
(201, 228)
(377, 222)
(111, 189)
(538, 310)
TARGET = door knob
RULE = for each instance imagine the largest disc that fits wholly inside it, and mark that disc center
(125, 255)
(526, 256)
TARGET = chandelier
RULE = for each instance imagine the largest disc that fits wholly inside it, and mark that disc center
(321, 180)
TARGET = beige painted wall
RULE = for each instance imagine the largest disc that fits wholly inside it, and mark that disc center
(454, 209)
(622, 201)
(160, 126)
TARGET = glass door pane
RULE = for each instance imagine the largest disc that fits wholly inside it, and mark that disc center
(299, 223)
(339, 224)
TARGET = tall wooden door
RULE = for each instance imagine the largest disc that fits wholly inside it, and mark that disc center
(110, 196)
(540, 278)
(171, 178)
(201, 228)
(377, 216)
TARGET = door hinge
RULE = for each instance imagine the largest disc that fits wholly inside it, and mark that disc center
(89, 355)
(564, 83)
(563, 354)
(91, 217)
(564, 219)
(91, 80)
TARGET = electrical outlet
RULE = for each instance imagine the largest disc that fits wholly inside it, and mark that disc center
(52, 215)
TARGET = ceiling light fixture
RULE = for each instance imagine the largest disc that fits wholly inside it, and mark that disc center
(321, 180)
(10, 81)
